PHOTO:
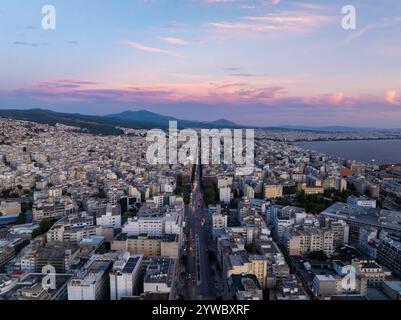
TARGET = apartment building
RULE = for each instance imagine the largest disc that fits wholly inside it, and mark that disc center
(272, 191)
(373, 272)
(245, 287)
(303, 240)
(389, 255)
(60, 255)
(109, 216)
(124, 276)
(92, 282)
(242, 263)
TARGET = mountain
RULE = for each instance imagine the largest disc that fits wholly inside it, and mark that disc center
(224, 123)
(94, 124)
(142, 115)
(108, 125)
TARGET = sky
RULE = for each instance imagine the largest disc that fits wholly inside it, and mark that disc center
(254, 62)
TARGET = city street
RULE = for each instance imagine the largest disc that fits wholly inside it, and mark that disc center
(200, 282)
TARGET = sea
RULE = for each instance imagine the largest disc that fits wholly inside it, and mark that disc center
(368, 151)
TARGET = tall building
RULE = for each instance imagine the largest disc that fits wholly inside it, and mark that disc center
(109, 216)
(362, 202)
(374, 273)
(124, 276)
(301, 241)
(242, 263)
(159, 275)
(225, 194)
(156, 226)
(389, 255)
(60, 255)
(245, 287)
(165, 246)
(273, 191)
(92, 283)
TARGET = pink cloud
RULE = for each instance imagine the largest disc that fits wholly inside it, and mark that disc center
(292, 22)
(208, 93)
(66, 83)
(175, 41)
(139, 46)
(392, 98)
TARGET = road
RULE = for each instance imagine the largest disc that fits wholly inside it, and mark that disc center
(200, 281)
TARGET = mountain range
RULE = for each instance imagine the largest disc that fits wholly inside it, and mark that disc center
(108, 125)
(142, 119)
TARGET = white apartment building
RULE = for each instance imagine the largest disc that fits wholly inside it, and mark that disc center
(362, 202)
(109, 216)
(93, 282)
(225, 194)
(219, 220)
(156, 226)
(152, 226)
(306, 240)
(124, 276)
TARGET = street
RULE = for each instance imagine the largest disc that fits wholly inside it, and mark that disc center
(200, 283)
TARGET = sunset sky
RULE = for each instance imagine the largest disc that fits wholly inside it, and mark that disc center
(255, 62)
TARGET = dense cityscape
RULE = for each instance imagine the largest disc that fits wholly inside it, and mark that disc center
(86, 217)
(200, 159)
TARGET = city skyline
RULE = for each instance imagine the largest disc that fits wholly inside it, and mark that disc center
(254, 62)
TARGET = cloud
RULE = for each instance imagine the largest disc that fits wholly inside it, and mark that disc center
(65, 84)
(384, 23)
(234, 97)
(246, 4)
(311, 6)
(139, 46)
(392, 98)
(28, 44)
(232, 69)
(175, 41)
(294, 22)
(174, 25)
(220, 1)
(247, 75)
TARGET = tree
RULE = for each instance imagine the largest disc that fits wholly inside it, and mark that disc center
(212, 255)
(318, 255)
(251, 248)
(209, 195)
(21, 218)
(45, 225)
(36, 233)
(100, 195)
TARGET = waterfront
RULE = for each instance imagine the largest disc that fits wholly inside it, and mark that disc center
(382, 151)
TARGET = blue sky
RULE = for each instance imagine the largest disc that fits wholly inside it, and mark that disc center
(262, 62)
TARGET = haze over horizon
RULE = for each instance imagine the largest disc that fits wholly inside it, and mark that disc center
(253, 62)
